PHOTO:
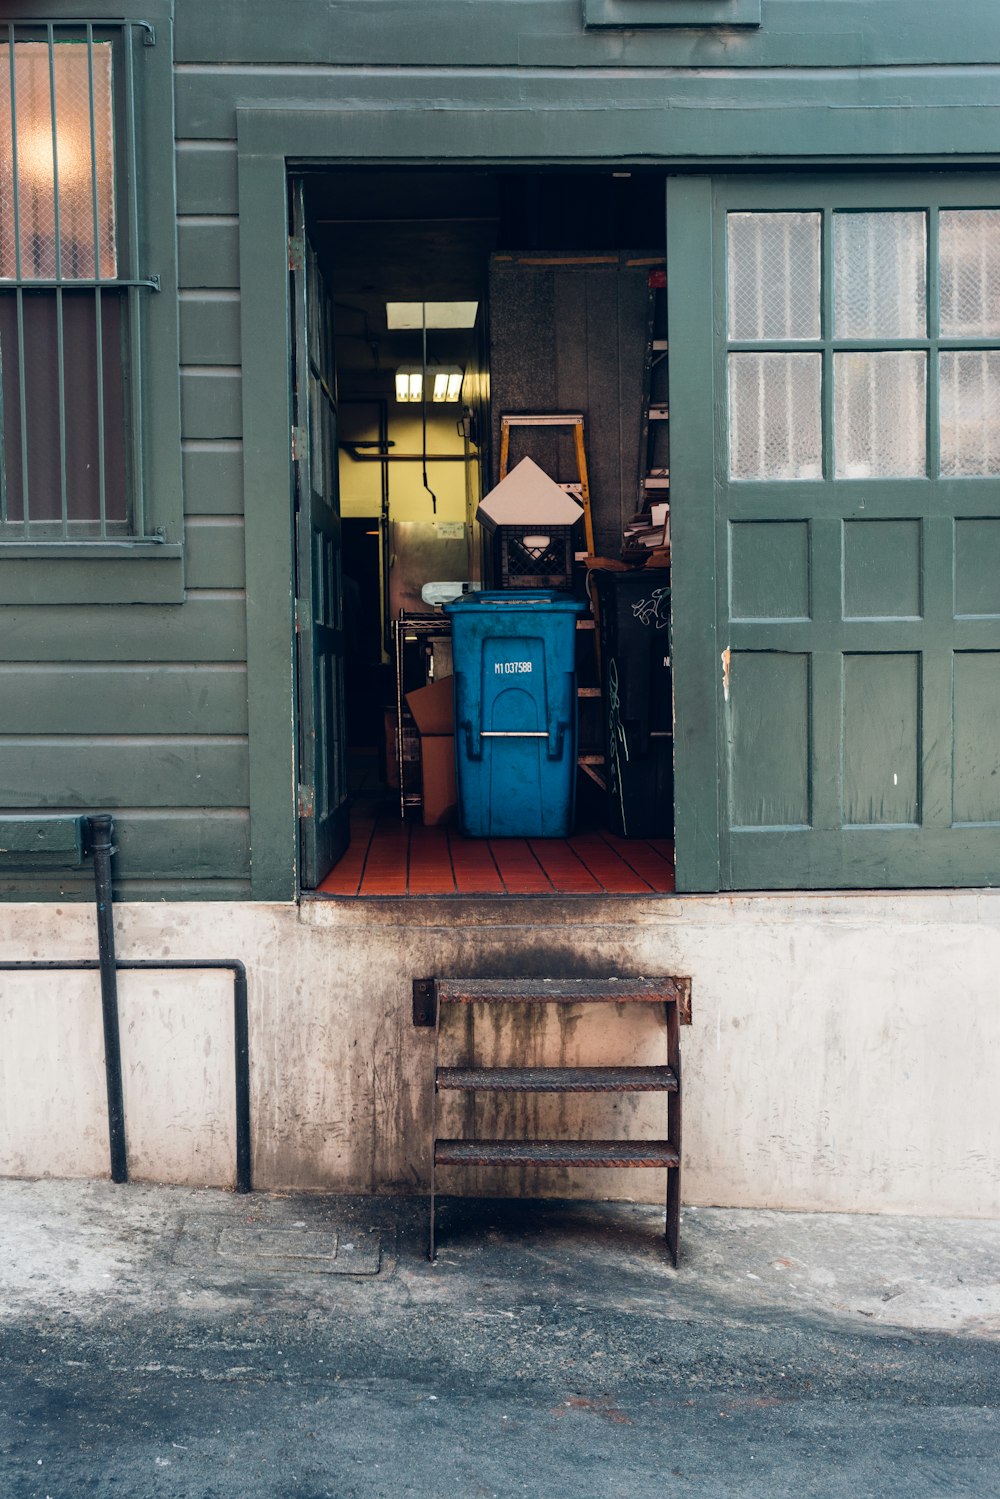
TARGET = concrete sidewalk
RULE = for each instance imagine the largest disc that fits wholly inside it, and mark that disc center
(158, 1341)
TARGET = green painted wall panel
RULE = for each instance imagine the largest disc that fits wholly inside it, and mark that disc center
(105, 699)
(206, 177)
(149, 580)
(769, 569)
(211, 403)
(977, 737)
(81, 888)
(768, 722)
(208, 253)
(866, 858)
(977, 567)
(550, 32)
(196, 845)
(210, 329)
(215, 553)
(882, 569)
(90, 773)
(695, 113)
(199, 630)
(881, 738)
(213, 478)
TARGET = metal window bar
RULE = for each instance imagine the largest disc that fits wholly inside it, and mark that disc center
(72, 234)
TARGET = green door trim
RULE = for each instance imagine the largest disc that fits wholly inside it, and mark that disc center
(695, 658)
(270, 140)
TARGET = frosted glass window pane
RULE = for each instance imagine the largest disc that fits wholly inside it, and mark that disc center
(40, 155)
(970, 413)
(880, 415)
(880, 275)
(773, 261)
(970, 272)
(775, 419)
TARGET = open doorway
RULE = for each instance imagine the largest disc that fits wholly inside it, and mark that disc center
(460, 298)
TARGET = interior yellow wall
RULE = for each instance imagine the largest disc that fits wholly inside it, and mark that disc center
(360, 483)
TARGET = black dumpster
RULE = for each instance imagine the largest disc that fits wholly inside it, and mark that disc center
(634, 611)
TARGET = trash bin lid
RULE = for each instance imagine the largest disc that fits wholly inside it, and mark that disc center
(528, 600)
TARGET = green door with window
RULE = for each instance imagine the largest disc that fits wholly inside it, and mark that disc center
(319, 623)
(835, 514)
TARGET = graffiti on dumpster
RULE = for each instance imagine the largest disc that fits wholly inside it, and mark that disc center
(655, 610)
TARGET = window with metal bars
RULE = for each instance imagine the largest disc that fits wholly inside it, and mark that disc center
(72, 286)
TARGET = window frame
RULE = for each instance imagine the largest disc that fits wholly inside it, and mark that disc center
(147, 567)
(828, 344)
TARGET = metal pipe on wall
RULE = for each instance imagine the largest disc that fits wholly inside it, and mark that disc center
(101, 829)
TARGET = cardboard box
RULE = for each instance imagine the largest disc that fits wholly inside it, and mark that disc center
(433, 709)
(528, 497)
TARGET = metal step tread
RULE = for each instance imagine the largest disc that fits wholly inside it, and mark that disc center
(657, 990)
(559, 1079)
(555, 1153)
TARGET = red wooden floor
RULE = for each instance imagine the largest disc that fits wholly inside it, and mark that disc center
(390, 857)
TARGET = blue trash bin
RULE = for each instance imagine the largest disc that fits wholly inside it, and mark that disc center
(514, 660)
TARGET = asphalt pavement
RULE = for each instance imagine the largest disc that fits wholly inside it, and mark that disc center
(165, 1342)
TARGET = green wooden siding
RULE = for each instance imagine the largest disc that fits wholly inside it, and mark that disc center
(549, 33)
(141, 709)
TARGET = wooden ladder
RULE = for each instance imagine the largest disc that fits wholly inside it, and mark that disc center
(589, 761)
(580, 490)
(672, 993)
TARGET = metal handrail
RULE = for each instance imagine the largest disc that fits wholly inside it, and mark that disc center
(108, 965)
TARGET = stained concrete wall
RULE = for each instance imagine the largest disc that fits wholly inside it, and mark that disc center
(841, 1054)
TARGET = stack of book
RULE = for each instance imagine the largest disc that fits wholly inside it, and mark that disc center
(647, 532)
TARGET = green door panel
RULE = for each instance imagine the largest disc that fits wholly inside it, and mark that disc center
(323, 816)
(881, 721)
(836, 530)
(977, 737)
(769, 739)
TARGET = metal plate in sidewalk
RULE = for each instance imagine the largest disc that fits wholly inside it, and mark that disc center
(303, 1250)
(281, 1248)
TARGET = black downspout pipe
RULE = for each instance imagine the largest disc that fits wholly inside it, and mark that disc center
(242, 1037)
(101, 833)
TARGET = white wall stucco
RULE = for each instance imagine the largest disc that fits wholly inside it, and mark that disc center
(842, 1054)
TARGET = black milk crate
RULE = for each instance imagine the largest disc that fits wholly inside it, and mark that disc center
(529, 556)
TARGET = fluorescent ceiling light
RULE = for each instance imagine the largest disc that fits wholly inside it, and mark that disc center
(409, 382)
(447, 383)
(410, 315)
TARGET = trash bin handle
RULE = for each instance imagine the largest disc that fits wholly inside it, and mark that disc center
(555, 737)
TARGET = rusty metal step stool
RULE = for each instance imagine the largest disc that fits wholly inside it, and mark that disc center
(673, 993)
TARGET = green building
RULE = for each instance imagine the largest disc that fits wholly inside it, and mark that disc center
(205, 211)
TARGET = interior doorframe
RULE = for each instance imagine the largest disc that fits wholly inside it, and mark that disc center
(271, 141)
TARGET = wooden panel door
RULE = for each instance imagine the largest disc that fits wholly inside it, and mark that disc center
(837, 554)
(323, 812)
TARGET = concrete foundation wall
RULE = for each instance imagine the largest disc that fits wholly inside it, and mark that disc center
(842, 1054)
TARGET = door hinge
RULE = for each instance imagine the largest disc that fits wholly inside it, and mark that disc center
(307, 801)
(298, 443)
(296, 253)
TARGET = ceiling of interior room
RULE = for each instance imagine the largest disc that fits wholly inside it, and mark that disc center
(400, 237)
(421, 235)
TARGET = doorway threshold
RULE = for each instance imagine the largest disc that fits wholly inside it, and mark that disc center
(387, 857)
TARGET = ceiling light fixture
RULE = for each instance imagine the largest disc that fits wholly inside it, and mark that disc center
(400, 316)
(447, 383)
(409, 382)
